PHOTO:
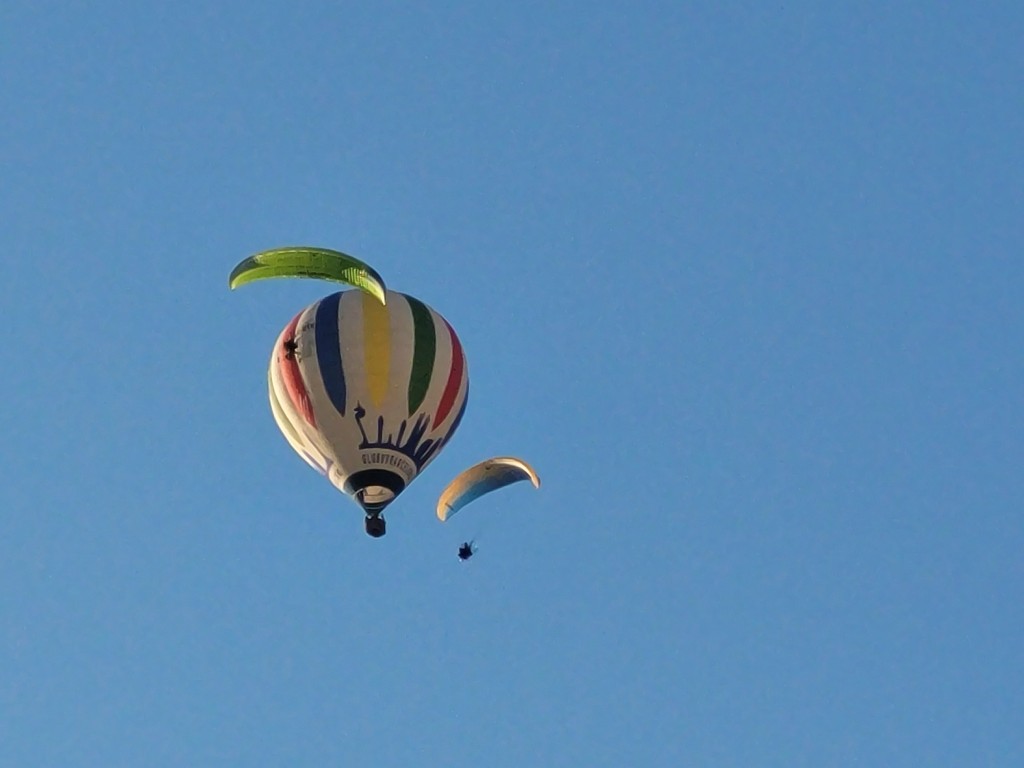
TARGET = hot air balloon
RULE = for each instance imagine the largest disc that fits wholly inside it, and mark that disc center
(481, 479)
(309, 261)
(368, 392)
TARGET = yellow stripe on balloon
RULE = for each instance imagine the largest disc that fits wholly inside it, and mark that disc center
(376, 348)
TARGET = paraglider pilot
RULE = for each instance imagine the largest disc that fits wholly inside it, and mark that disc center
(466, 550)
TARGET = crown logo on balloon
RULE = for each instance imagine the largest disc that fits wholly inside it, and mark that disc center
(418, 450)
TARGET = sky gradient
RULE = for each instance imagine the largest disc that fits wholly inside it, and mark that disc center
(741, 280)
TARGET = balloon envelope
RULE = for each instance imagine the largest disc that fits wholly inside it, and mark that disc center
(483, 478)
(307, 261)
(368, 393)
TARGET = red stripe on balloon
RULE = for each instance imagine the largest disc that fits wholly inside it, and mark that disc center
(292, 377)
(451, 388)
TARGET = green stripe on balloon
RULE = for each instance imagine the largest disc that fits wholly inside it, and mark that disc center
(424, 351)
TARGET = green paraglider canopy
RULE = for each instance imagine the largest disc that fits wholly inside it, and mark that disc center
(307, 261)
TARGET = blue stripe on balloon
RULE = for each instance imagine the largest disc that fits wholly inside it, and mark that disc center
(328, 351)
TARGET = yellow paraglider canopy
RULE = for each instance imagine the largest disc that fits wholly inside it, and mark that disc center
(482, 478)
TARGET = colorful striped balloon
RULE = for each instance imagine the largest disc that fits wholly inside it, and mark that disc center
(368, 393)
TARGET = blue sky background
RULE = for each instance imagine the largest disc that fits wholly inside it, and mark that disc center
(742, 280)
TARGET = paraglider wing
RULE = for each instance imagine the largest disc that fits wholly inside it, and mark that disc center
(483, 478)
(301, 261)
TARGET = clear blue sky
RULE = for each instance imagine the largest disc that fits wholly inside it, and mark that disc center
(742, 280)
